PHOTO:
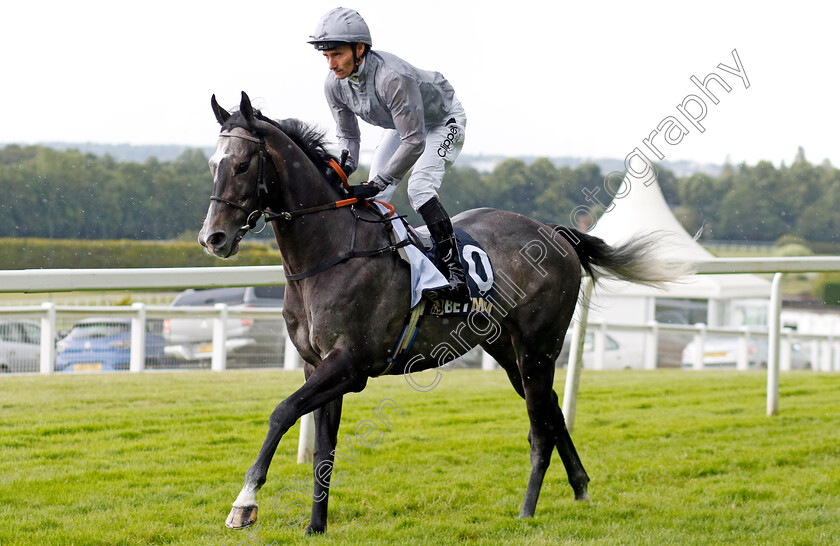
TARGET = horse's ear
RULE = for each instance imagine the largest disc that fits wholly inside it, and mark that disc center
(221, 114)
(247, 110)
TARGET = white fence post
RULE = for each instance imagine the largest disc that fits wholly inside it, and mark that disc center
(826, 357)
(785, 350)
(699, 347)
(306, 440)
(835, 357)
(570, 391)
(774, 323)
(599, 345)
(137, 358)
(815, 354)
(218, 361)
(651, 346)
(743, 362)
(48, 338)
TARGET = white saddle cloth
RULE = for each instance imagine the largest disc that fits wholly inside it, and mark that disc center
(424, 274)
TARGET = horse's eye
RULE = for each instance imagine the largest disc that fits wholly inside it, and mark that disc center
(242, 168)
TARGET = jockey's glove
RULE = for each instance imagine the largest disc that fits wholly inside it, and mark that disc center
(365, 190)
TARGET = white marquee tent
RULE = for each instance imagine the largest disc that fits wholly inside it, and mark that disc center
(642, 209)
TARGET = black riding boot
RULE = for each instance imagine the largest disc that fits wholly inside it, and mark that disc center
(440, 228)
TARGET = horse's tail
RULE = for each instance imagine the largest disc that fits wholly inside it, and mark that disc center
(634, 261)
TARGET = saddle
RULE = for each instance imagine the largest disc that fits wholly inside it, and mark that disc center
(420, 238)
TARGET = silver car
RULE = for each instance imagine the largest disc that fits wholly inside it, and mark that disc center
(616, 357)
(722, 352)
(20, 345)
(189, 341)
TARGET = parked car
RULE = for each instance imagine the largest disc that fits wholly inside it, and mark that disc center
(104, 344)
(20, 345)
(670, 344)
(190, 340)
(615, 356)
(722, 352)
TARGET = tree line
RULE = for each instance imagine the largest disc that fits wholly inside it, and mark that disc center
(72, 195)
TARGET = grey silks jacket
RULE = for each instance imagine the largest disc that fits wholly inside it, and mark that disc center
(390, 93)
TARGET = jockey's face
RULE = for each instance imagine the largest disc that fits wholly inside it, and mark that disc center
(340, 59)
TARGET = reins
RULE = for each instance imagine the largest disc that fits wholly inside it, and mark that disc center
(262, 197)
(352, 253)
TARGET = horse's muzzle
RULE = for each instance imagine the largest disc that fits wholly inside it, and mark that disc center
(218, 243)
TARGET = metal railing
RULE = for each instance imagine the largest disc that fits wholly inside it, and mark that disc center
(824, 349)
(777, 266)
(180, 278)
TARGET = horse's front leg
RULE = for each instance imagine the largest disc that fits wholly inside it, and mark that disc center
(335, 376)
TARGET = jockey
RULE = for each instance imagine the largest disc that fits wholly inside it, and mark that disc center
(423, 121)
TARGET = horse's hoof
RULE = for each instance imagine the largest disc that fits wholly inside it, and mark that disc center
(582, 495)
(527, 512)
(241, 517)
(315, 531)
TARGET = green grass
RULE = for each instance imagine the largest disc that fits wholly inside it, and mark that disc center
(675, 457)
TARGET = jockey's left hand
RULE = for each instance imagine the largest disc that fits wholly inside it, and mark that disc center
(365, 190)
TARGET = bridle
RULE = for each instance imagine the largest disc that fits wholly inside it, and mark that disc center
(263, 191)
(261, 210)
(262, 186)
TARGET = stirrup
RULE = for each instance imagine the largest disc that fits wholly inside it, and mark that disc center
(457, 291)
(459, 295)
(451, 294)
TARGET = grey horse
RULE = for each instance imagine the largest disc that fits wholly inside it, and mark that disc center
(348, 294)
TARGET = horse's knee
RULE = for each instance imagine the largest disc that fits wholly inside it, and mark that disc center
(284, 416)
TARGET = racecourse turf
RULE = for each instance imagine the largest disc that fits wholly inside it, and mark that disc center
(675, 457)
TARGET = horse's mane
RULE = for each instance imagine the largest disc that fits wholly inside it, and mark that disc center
(311, 140)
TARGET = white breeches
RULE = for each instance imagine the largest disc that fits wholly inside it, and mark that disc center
(443, 144)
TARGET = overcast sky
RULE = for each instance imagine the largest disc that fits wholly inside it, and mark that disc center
(545, 78)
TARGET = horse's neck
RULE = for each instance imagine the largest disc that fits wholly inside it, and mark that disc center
(307, 241)
(301, 184)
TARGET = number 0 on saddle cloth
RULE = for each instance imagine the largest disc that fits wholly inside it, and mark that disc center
(479, 279)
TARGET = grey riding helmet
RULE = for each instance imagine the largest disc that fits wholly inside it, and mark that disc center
(339, 27)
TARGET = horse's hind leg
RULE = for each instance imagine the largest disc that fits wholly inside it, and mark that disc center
(505, 355)
(537, 380)
(538, 402)
(502, 351)
(578, 478)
